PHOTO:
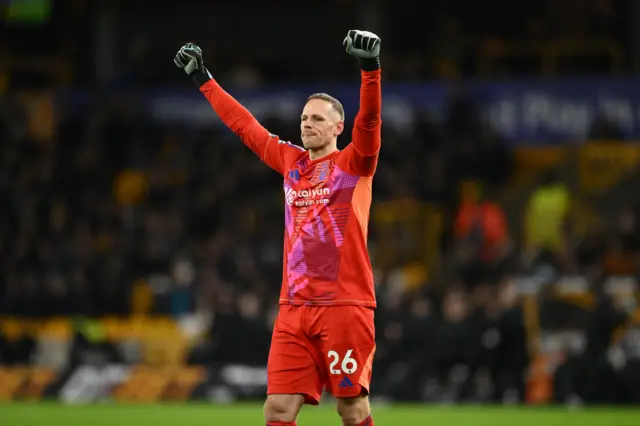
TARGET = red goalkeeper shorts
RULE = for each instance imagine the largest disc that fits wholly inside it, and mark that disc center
(314, 347)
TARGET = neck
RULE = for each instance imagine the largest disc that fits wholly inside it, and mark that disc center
(315, 154)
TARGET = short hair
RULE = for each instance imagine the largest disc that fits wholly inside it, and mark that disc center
(333, 101)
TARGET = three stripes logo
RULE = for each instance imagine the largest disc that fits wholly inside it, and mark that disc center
(345, 383)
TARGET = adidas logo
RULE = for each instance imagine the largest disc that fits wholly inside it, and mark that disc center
(345, 383)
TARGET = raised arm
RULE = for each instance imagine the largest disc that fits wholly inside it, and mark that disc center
(368, 123)
(362, 153)
(267, 146)
(271, 150)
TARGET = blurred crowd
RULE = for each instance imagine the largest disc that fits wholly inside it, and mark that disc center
(109, 213)
(108, 202)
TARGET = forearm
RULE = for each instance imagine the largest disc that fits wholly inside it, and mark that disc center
(368, 122)
(241, 122)
(235, 116)
(370, 99)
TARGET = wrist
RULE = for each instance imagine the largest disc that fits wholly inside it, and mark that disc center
(370, 64)
(200, 76)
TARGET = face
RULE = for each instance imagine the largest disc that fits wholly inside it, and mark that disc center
(320, 125)
(454, 307)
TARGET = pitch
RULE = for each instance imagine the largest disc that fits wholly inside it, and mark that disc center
(250, 415)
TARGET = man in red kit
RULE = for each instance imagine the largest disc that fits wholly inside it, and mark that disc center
(324, 334)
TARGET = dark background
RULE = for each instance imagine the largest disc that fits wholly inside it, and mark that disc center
(109, 215)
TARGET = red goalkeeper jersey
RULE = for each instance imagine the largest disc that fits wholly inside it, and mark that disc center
(327, 201)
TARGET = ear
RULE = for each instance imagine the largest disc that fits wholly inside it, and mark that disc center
(339, 128)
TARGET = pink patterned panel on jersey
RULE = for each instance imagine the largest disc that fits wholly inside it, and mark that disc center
(316, 232)
(288, 219)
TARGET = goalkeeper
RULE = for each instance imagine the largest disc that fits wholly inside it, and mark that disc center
(324, 333)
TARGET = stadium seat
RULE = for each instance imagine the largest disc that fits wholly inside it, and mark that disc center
(55, 328)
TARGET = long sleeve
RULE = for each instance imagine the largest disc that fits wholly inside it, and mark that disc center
(267, 146)
(366, 137)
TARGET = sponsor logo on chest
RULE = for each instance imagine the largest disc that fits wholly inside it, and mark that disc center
(306, 197)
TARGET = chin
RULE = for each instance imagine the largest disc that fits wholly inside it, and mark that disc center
(314, 145)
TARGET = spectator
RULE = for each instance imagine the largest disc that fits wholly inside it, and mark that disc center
(545, 216)
(481, 234)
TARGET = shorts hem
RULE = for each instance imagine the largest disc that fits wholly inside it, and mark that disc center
(353, 393)
(308, 398)
(295, 302)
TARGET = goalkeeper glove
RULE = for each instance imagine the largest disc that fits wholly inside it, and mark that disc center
(189, 58)
(365, 46)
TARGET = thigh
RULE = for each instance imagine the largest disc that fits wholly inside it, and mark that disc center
(348, 346)
(292, 366)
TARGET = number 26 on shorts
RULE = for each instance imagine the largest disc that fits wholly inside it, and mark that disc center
(348, 365)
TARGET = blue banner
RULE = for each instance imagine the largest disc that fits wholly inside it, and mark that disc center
(558, 111)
